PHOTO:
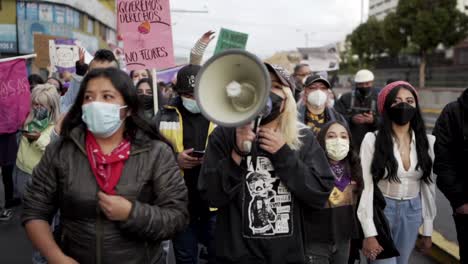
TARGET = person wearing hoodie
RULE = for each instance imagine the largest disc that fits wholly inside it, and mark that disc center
(261, 194)
(314, 110)
(451, 150)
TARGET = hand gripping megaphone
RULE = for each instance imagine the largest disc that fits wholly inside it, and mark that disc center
(232, 89)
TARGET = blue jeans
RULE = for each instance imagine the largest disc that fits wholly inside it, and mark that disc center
(200, 231)
(405, 218)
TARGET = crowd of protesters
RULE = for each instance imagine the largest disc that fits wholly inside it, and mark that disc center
(104, 176)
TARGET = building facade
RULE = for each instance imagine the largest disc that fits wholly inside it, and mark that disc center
(92, 22)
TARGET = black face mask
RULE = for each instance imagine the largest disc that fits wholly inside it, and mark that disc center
(147, 101)
(402, 113)
(364, 91)
(276, 102)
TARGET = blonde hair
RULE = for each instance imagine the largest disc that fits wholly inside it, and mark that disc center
(288, 123)
(46, 95)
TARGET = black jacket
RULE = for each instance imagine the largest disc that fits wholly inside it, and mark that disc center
(151, 180)
(260, 216)
(451, 151)
(351, 104)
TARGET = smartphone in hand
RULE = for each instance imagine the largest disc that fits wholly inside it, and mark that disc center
(197, 153)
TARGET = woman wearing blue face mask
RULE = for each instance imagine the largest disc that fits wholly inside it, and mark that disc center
(36, 132)
(114, 179)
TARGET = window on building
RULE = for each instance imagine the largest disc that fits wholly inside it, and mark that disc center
(102, 31)
(463, 57)
(82, 21)
(90, 27)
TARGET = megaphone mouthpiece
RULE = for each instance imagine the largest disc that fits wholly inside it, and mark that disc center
(234, 89)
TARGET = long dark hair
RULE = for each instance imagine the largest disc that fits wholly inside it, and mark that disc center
(384, 160)
(353, 160)
(123, 84)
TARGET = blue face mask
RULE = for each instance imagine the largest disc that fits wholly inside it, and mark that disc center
(191, 105)
(102, 119)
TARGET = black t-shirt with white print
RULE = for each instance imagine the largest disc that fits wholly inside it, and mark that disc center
(267, 204)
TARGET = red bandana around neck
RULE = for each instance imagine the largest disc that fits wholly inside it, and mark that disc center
(106, 168)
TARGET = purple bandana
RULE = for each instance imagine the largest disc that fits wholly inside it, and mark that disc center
(342, 175)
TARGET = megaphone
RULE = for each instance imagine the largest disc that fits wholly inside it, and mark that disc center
(232, 88)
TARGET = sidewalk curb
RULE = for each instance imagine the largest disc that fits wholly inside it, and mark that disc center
(443, 250)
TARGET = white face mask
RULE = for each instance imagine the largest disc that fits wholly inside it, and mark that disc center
(191, 105)
(317, 98)
(102, 119)
(337, 148)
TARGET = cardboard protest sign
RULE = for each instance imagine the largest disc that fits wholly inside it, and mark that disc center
(324, 58)
(63, 55)
(145, 26)
(229, 39)
(14, 95)
(41, 48)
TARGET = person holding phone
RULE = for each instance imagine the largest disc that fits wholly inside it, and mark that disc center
(45, 110)
(359, 106)
(182, 123)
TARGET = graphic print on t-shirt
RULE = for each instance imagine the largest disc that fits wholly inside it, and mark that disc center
(268, 203)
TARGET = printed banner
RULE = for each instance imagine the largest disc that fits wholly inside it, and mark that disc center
(63, 55)
(324, 58)
(147, 33)
(14, 95)
(229, 39)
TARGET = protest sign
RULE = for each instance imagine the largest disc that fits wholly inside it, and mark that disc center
(324, 58)
(63, 55)
(145, 26)
(14, 95)
(229, 39)
(41, 47)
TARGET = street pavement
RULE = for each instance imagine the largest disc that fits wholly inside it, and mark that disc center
(15, 248)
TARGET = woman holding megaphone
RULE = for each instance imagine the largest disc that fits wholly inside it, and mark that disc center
(261, 196)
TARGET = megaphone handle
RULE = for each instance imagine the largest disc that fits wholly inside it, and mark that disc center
(247, 145)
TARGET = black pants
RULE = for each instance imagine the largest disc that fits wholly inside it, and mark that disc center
(7, 176)
(461, 223)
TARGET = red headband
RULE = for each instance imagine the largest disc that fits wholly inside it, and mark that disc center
(387, 89)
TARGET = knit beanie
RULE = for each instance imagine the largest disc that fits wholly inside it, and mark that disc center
(386, 91)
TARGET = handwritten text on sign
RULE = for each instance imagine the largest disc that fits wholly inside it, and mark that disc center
(147, 35)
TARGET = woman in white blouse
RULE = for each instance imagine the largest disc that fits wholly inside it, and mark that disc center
(399, 158)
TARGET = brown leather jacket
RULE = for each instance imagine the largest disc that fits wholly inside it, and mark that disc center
(151, 180)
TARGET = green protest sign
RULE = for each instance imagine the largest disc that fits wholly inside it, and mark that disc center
(229, 39)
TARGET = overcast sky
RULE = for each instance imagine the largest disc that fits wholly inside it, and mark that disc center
(272, 25)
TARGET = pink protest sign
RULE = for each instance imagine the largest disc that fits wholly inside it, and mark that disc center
(14, 95)
(145, 27)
